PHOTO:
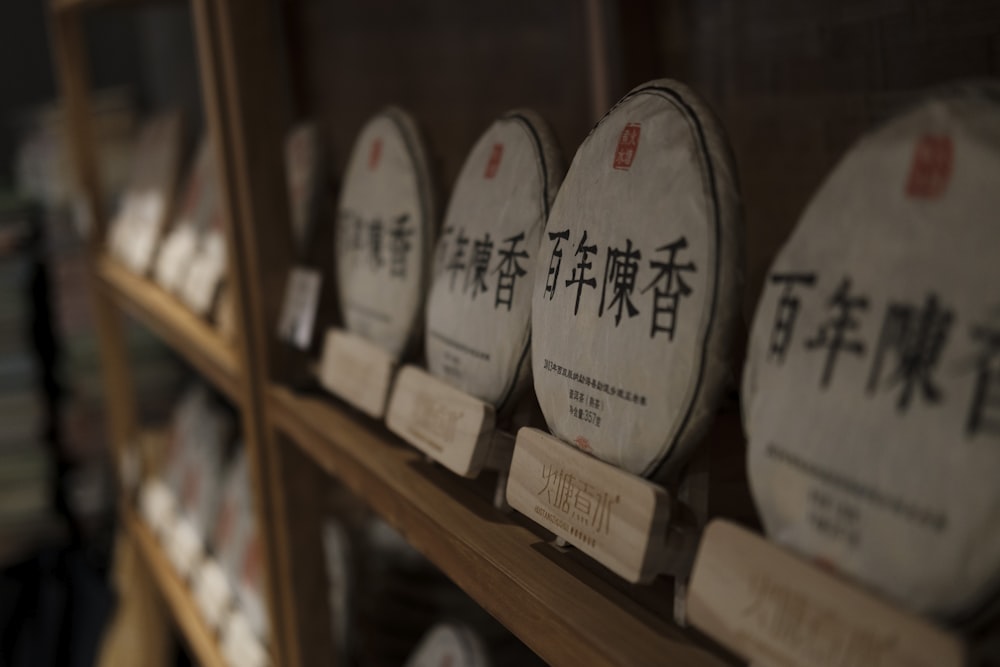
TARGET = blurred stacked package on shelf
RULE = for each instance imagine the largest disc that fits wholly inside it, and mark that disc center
(197, 498)
(135, 230)
(391, 606)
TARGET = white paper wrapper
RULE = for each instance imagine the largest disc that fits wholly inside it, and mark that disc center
(638, 290)
(384, 233)
(449, 644)
(134, 233)
(872, 385)
(199, 204)
(479, 305)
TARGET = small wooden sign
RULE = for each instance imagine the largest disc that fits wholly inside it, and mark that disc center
(212, 592)
(158, 505)
(452, 427)
(618, 519)
(771, 607)
(185, 547)
(240, 646)
(357, 371)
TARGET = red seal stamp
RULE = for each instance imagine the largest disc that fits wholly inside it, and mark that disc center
(628, 144)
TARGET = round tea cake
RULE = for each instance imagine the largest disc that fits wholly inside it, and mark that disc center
(451, 644)
(384, 232)
(637, 293)
(872, 384)
(479, 305)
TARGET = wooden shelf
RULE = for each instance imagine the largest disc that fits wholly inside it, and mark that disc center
(200, 638)
(563, 612)
(202, 346)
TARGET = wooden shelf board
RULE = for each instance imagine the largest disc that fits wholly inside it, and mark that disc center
(185, 332)
(200, 638)
(563, 612)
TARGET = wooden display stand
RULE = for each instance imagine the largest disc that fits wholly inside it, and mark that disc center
(581, 57)
(451, 427)
(773, 608)
(357, 371)
(626, 523)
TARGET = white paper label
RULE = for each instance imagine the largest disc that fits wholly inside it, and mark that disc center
(383, 234)
(637, 293)
(873, 371)
(479, 305)
(298, 311)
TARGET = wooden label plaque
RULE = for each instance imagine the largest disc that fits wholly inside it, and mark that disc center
(772, 608)
(357, 371)
(445, 423)
(618, 519)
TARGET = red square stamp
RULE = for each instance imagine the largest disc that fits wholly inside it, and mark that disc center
(375, 154)
(628, 144)
(930, 172)
(494, 162)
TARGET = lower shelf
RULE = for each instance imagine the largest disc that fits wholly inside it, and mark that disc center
(199, 637)
(565, 612)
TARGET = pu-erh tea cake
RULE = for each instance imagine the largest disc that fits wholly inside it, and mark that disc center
(872, 385)
(637, 292)
(384, 233)
(479, 305)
